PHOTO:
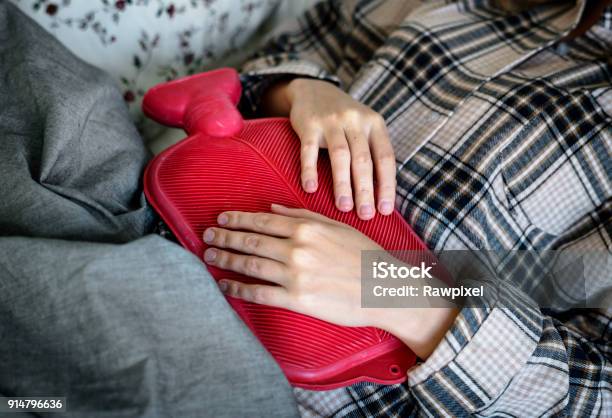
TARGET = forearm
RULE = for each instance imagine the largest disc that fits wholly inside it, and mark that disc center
(428, 329)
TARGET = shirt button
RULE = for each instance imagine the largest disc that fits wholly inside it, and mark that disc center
(562, 48)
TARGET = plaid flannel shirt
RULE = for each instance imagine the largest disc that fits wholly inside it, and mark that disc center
(502, 134)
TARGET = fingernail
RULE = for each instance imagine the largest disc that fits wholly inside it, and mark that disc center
(311, 186)
(366, 211)
(222, 219)
(223, 286)
(210, 255)
(385, 207)
(345, 203)
(209, 235)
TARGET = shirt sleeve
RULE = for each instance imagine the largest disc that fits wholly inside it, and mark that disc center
(511, 359)
(309, 46)
(329, 42)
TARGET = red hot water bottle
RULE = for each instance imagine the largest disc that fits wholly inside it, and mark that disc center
(227, 163)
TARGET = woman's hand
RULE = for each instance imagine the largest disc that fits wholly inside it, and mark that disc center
(323, 116)
(316, 264)
(298, 250)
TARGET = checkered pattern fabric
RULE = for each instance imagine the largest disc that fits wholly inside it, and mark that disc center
(502, 134)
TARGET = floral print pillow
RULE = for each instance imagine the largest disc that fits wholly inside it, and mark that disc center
(145, 42)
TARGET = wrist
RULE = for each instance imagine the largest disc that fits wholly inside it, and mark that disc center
(421, 329)
(293, 88)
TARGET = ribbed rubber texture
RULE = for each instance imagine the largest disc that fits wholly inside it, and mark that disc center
(192, 182)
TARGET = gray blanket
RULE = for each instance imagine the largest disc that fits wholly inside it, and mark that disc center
(93, 309)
